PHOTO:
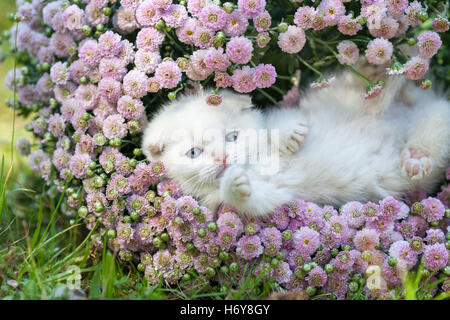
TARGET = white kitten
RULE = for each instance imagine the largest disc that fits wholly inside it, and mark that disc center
(337, 147)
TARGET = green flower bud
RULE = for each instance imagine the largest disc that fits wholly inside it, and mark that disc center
(165, 236)
(223, 255)
(392, 261)
(137, 152)
(107, 11)
(157, 242)
(353, 286)
(287, 235)
(83, 211)
(111, 233)
(412, 41)
(172, 95)
(328, 268)
(282, 27)
(134, 215)
(212, 226)
(86, 30)
(98, 207)
(201, 232)
(274, 262)
(311, 291)
(334, 252)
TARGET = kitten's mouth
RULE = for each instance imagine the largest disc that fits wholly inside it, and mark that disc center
(222, 169)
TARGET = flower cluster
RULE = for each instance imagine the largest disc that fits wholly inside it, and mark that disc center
(95, 70)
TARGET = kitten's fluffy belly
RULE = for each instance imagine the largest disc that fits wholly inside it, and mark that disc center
(335, 148)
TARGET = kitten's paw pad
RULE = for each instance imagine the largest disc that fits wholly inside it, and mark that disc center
(239, 183)
(293, 140)
(415, 163)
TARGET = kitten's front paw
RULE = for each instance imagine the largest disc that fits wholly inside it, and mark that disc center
(292, 140)
(237, 183)
(415, 163)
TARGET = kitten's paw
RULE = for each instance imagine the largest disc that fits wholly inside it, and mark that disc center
(415, 163)
(292, 141)
(238, 182)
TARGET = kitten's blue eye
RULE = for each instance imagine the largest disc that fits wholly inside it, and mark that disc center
(194, 153)
(232, 136)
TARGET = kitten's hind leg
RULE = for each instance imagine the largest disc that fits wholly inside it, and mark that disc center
(428, 140)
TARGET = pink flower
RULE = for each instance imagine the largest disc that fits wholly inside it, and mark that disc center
(379, 51)
(262, 21)
(429, 43)
(175, 16)
(135, 84)
(411, 13)
(303, 17)
(322, 83)
(348, 52)
(235, 25)
(149, 39)
(89, 53)
(147, 61)
(372, 91)
(251, 8)
(114, 127)
(440, 24)
(348, 26)
(264, 75)
(223, 79)
(147, 14)
(213, 17)
(293, 40)
(416, 68)
(130, 108)
(214, 99)
(243, 80)
(108, 43)
(216, 60)
(169, 74)
(239, 50)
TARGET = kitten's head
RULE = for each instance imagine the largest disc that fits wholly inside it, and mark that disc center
(196, 141)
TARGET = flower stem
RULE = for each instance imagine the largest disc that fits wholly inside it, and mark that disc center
(268, 96)
(309, 66)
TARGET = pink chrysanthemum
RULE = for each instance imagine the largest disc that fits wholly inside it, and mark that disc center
(239, 50)
(251, 8)
(429, 43)
(149, 39)
(348, 52)
(303, 17)
(435, 256)
(293, 40)
(264, 75)
(440, 24)
(243, 80)
(169, 74)
(235, 25)
(213, 17)
(416, 68)
(379, 51)
(249, 247)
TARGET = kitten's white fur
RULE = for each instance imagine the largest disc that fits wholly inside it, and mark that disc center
(336, 147)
